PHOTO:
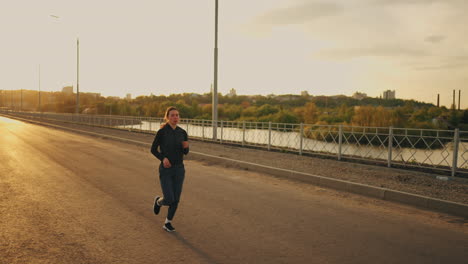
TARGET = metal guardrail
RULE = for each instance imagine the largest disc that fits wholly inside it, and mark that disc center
(440, 150)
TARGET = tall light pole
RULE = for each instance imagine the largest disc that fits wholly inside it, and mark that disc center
(215, 81)
(39, 108)
(459, 95)
(77, 110)
(77, 75)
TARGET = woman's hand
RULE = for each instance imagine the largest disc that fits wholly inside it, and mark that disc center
(166, 163)
(185, 144)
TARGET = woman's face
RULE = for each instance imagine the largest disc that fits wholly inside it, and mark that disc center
(173, 117)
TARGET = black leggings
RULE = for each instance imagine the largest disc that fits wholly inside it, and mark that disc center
(171, 180)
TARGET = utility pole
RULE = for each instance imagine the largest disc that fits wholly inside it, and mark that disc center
(215, 83)
(438, 100)
(77, 75)
(39, 108)
(454, 106)
(459, 96)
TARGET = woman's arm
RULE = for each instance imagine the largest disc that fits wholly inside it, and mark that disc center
(156, 144)
(185, 143)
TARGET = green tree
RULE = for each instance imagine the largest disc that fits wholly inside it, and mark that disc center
(250, 111)
(464, 118)
(363, 116)
(266, 110)
(285, 117)
(310, 113)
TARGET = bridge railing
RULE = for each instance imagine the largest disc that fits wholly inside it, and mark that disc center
(439, 150)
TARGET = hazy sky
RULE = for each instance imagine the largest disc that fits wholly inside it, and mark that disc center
(417, 47)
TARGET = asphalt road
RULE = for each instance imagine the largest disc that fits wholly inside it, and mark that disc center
(69, 198)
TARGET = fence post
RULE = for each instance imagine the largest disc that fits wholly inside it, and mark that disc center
(141, 125)
(390, 146)
(301, 138)
(456, 141)
(149, 120)
(269, 135)
(243, 133)
(221, 139)
(340, 140)
(203, 130)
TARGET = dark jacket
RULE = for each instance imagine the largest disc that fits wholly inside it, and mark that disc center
(170, 146)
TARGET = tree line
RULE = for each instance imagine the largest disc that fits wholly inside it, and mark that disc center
(320, 110)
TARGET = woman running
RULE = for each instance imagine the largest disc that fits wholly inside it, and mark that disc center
(173, 144)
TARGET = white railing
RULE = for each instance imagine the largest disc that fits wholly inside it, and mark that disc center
(444, 150)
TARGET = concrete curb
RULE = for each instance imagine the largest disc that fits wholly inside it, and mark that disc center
(423, 202)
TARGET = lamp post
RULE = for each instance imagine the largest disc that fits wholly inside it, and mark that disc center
(39, 108)
(77, 110)
(215, 81)
(77, 75)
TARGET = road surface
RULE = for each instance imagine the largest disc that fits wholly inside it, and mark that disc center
(69, 198)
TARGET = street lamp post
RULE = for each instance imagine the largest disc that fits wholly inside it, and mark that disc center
(215, 82)
(39, 108)
(77, 75)
(77, 110)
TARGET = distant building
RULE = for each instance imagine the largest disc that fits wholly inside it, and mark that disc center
(388, 95)
(114, 97)
(128, 97)
(305, 94)
(67, 90)
(359, 96)
(232, 93)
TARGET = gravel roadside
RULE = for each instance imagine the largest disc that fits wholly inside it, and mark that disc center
(415, 182)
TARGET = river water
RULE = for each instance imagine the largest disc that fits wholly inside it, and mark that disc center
(292, 141)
